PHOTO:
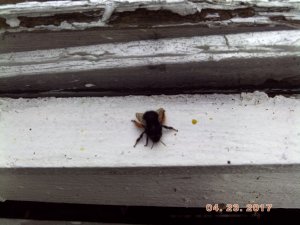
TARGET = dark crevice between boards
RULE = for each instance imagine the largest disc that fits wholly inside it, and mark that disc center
(145, 17)
(141, 17)
(137, 214)
(271, 92)
(56, 20)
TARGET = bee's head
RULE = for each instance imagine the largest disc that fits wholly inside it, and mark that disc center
(150, 116)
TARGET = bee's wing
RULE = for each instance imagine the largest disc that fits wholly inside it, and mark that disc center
(161, 115)
(139, 117)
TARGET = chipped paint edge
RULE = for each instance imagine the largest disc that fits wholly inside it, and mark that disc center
(181, 7)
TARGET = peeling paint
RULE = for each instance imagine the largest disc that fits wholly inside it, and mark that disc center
(153, 53)
(13, 22)
(182, 11)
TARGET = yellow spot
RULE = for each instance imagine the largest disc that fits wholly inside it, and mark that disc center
(82, 149)
(194, 121)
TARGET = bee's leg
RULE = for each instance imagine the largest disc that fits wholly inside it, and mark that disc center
(137, 140)
(146, 140)
(139, 125)
(152, 145)
(170, 128)
(162, 142)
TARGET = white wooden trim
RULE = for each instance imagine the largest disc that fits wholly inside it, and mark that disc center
(244, 148)
(97, 132)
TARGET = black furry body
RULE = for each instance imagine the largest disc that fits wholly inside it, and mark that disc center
(152, 122)
(153, 128)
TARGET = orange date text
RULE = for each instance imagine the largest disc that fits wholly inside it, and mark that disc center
(237, 208)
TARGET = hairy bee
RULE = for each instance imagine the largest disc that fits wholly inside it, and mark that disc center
(152, 122)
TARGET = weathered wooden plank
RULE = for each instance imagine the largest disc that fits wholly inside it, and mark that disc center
(157, 186)
(57, 15)
(205, 61)
(12, 42)
(244, 148)
(228, 76)
(231, 61)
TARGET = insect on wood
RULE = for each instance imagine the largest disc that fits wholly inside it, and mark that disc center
(152, 122)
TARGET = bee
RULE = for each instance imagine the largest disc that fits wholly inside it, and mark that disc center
(152, 122)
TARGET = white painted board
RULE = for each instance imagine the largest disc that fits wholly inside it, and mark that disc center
(97, 132)
(243, 149)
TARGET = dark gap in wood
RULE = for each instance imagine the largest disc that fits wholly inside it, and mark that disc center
(278, 18)
(271, 92)
(141, 17)
(145, 17)
(272, 9)
(3, 23)
(57, 19)
(3, 2)
(137, 214)
(284, 20)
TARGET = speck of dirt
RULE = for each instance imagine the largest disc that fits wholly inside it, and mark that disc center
(174, 189)
(29, 128)
(210, 118)
(82, 149)
(89, 85)
(228, 162)
(194, 121)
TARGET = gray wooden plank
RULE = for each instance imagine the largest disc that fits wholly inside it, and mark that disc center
(178, 186)
(15, 42)
(260, 73)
